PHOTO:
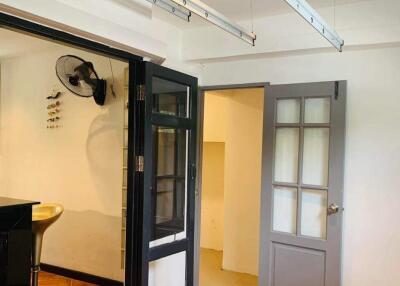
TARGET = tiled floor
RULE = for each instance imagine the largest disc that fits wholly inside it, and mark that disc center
(212, 274)
(46, 279)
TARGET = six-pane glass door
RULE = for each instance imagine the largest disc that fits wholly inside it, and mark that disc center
(301, 165)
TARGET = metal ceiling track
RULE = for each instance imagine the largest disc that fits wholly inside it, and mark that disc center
(311, 16)
(173, 8)
(185, 7)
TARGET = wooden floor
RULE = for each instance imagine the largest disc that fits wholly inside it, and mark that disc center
(212, 274)
(47, 279)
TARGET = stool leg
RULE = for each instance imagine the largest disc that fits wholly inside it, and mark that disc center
(35, 275)
(37, 240)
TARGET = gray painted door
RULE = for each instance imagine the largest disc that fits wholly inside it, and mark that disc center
(302, 187)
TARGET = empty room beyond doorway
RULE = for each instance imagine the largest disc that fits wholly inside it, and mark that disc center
(231, 185)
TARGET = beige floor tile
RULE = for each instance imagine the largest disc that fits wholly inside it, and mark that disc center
(212, 274)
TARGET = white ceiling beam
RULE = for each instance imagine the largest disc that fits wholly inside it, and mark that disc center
(312, 17)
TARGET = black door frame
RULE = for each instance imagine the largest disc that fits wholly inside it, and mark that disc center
(18, 24)
(145, 118)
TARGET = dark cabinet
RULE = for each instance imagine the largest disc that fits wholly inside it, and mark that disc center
(15, 242)
(15, 255)
(3, 258)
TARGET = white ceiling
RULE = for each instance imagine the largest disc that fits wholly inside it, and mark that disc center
(241, 9)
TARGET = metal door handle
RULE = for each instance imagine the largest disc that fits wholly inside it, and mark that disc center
(333, 209)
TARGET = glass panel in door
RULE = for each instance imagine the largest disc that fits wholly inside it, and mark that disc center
(286, 155)
(317, 110)
(285, 209)
(313, 213)
(315, 156)
(288, 110)
(170, 98)
(170, 186)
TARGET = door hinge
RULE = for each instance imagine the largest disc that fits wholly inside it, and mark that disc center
(140, 164)
(141, 92)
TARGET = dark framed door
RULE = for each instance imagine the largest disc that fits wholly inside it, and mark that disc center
(164, 148)
(302, 187)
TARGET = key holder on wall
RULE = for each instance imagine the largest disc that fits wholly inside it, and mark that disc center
(53, 110)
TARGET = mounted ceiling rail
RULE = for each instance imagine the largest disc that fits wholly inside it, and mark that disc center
(173, 8)
(204, 11)
(209, 14)
(311, 16)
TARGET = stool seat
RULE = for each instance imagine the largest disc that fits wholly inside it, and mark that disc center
(43, 216)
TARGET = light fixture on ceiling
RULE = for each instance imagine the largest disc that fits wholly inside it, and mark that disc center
(312, 17)
(199, 8)
(173, 8)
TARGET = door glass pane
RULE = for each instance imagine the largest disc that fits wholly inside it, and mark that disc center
(288, 111)
(286, 155)
(170, 97)
(285, 209)
(168, 271)
(316, 156)
(317, 110)
(314, 213)
(170, 184)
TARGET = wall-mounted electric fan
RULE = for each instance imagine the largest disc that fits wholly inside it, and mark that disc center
(80, 77)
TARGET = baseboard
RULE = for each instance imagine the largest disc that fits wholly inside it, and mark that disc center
(81, 276)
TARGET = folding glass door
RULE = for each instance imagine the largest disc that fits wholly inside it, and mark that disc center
(165, 153)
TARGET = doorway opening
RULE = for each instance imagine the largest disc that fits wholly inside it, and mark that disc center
(231, 186)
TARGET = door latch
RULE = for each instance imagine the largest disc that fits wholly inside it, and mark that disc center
(333, 209)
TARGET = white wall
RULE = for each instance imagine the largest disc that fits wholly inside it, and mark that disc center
(213, 171)
(370, 243)
(212, 196)
(78, 165)
(243, 180)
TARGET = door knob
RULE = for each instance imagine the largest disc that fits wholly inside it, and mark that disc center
(333, 209)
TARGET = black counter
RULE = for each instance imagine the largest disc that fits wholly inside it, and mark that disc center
(15, 241)
(10, 202)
